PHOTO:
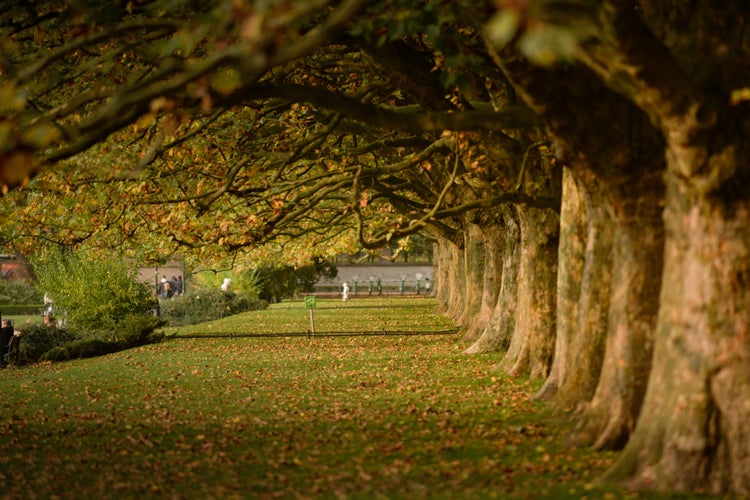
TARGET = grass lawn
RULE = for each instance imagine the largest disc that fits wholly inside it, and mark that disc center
(289, 417)
(19, 320)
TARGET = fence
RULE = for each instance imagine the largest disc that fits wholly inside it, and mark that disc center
(367, 288)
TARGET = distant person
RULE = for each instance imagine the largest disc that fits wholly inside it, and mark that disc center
(6, 335)
(175, 285)
(345, 293)
(166, 291)
(180, 287)
(49, 310)
(163, 281)
(226, 286)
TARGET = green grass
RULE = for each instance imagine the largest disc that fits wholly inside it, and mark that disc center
(289, 417)
(21, 319)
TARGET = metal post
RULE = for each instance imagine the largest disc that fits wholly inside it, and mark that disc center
(156, 283)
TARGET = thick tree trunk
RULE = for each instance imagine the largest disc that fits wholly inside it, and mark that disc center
(532, 346)
(442, 276)
(637, 255)
(457, 297)
(586, 336)
(492, 236)
(496, 336)
(474, 262)
(694, 431)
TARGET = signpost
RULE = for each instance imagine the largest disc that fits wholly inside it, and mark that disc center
(311, 302)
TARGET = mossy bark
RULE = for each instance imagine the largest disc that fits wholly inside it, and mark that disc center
(532, 345)
(474, 278)
(499, 330)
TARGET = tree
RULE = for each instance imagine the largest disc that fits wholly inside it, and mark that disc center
(271, 185)
(677, 64)
(301, 126)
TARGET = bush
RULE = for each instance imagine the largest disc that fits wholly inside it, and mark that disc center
(49, 343)
(39, 339)
(21, 309)
(18, 292)
(93, 293)
(81, 348)
(281, 282)
(206, 305)
(136, 331)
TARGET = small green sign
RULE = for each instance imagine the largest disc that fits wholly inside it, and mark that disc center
(311, 301)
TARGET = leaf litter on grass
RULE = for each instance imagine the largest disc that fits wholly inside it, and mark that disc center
(363, 417)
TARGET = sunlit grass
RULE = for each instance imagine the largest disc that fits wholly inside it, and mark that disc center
(330, 315)
(291, 417)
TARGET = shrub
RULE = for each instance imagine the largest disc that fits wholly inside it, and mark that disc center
(49, 343)
(136, 331)
(206, 305)
(82, 348)
(20, 309)
(39, 339)
(18, 292)
(280, 282)
(93, 293)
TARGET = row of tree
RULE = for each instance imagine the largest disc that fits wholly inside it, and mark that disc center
(581, 164)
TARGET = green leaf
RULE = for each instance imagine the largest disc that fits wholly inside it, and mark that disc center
(549, 45)
(502, 27)
(226, 81)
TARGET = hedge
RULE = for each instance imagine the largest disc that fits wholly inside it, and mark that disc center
(17, 309)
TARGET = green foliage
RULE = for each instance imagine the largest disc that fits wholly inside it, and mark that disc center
(93, 293)
(243, 282)
(21, 309)
(18, 292)
(49, 343)
(277, 283)
(88, 347)
(136, 331)
(198, 306)
(281, 282)
(37, 340)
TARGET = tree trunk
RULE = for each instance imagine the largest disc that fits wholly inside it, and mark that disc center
(532, 345)
(442, 277)
(496, 336)
(693, 432)
(474, 262)
(458, 284)
(492, 235)
(571, 258)
(588, 329)
(636, 278)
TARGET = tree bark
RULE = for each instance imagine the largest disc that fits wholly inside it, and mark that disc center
(496, 336)
(473, 274)
(492, 236)
(587, 341)
(637, 251)
(458, 284)
(442, 278)
(532, 345)
(693, 430)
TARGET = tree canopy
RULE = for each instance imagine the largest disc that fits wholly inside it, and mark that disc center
(311, 119)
